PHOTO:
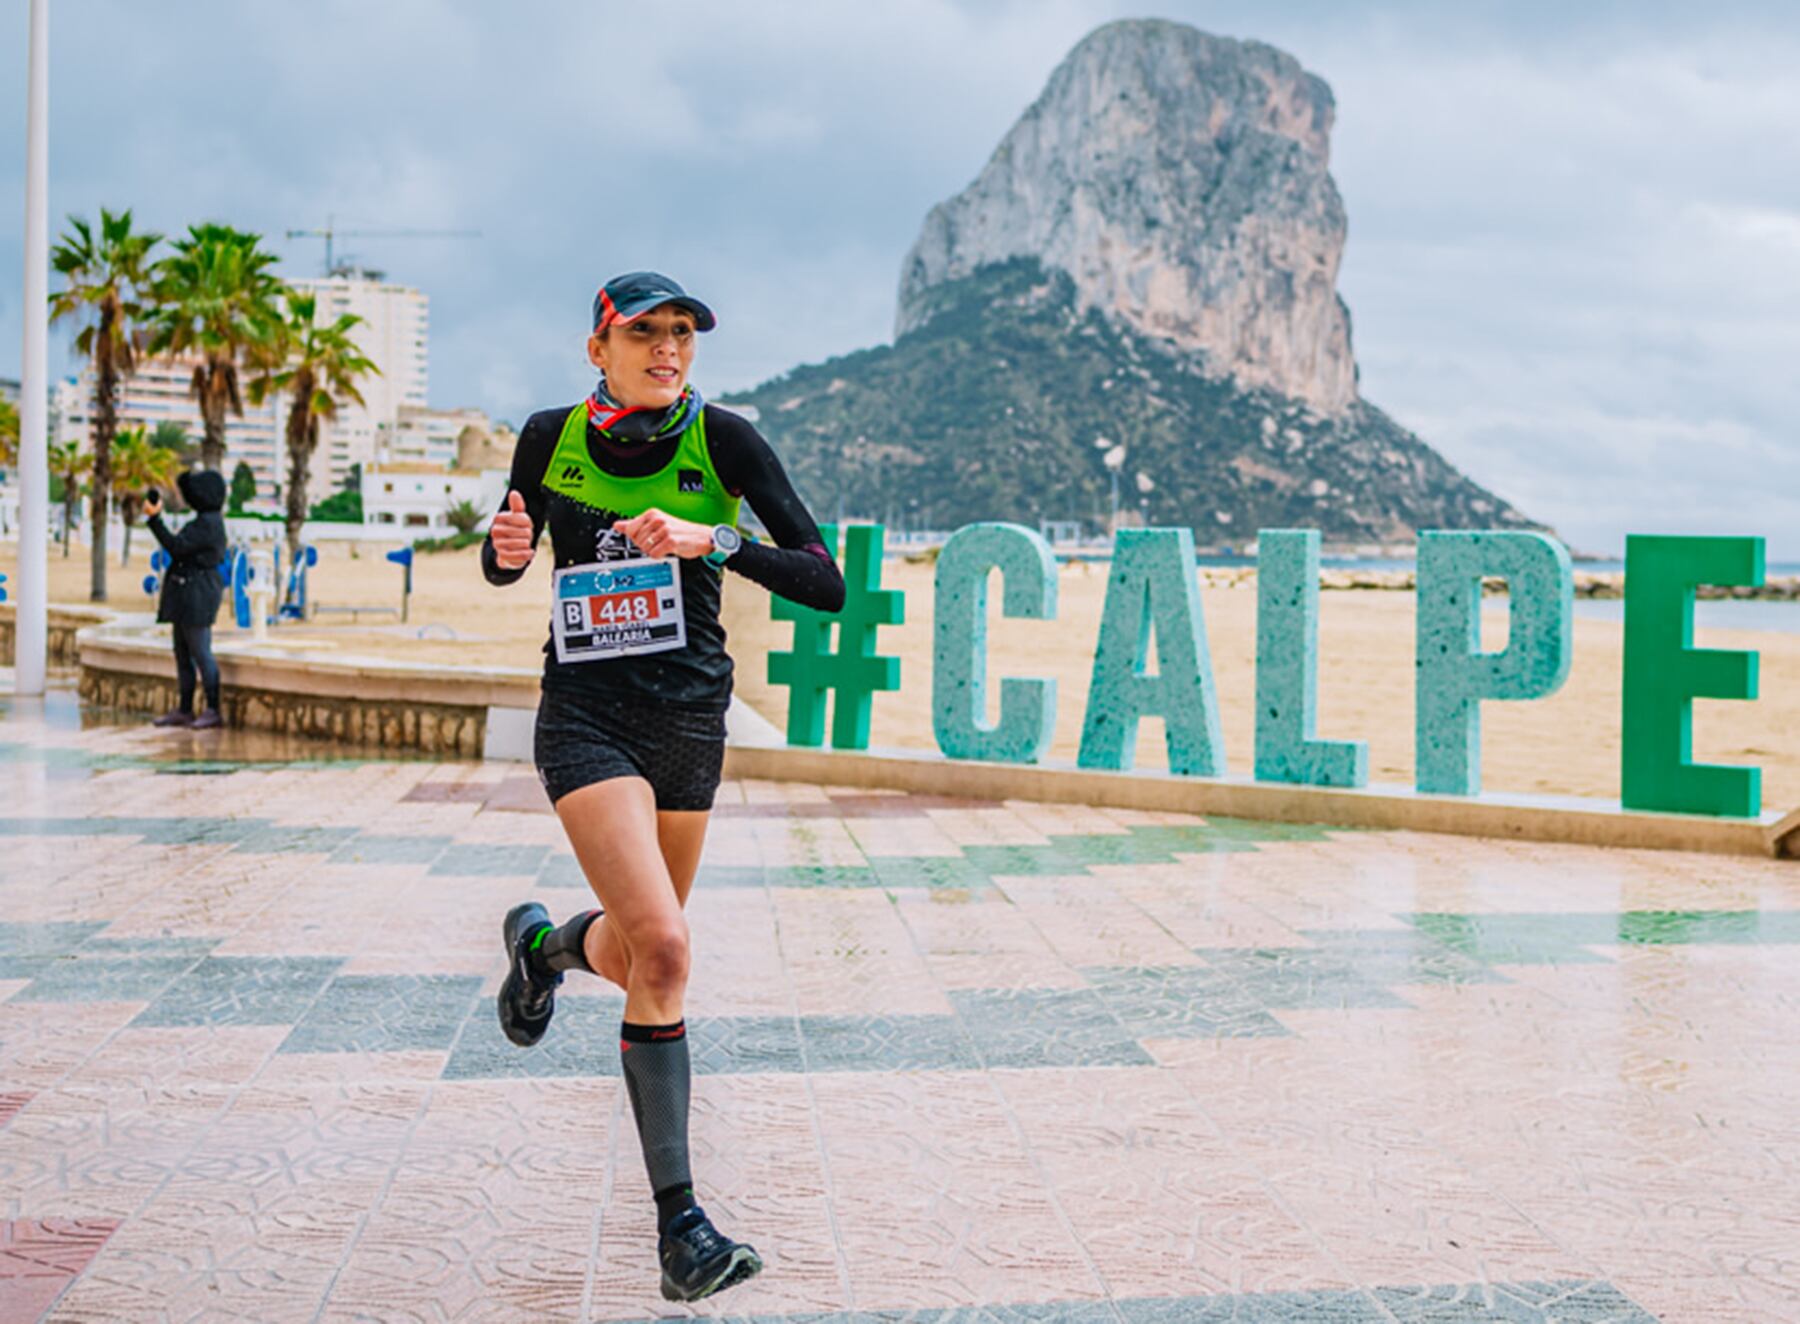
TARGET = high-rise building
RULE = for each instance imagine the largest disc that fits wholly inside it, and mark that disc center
(161, 391)
(395, 334)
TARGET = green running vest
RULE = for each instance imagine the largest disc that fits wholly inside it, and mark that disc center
(687, 487)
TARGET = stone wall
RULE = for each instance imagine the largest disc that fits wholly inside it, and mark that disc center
(63, 623)
(451, 730)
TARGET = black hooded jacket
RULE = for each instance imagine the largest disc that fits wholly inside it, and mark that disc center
(190, 589)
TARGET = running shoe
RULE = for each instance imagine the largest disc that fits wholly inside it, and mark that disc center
(180, 717)
(526, 1001)
(697, 1260)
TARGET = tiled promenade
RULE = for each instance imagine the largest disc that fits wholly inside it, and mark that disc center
(956, 1061)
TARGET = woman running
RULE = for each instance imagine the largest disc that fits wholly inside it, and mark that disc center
(639, 486)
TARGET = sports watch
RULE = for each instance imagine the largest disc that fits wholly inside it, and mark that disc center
(726, 541)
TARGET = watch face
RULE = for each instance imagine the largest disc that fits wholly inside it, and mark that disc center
(727, 539)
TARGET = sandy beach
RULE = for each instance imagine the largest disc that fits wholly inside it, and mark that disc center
(1568, 743)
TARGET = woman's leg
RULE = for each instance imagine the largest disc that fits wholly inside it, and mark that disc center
(681, 836)
(617, 834)
(199, 638)
(184, 669)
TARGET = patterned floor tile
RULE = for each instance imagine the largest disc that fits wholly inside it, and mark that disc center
(1046, 1028)
(1563, 1302)
(1182, 1002)
(886, 1043)
(52, 939)
(39, 1259)
(290, 840)
(385, 1014)
(490, 861)
(897, 871)
(1286, 978)
(84, 978)
(954, 1062)
(376, 848)
(562, 870)
(242, 990)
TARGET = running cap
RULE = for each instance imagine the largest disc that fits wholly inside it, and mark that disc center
(624, 299)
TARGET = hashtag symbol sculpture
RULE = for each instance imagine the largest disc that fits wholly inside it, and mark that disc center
(853, 670)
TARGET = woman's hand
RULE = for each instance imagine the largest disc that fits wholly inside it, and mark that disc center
(512, 535)
(153, 508)
(660, 535)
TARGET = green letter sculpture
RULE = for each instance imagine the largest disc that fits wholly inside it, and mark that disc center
(1153, 585)
(959, 664)
(1452, 674)
(1287, 668)
(1665, 673)
(854, 670)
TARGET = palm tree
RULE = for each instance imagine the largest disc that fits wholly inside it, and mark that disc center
(106, 279)
(9, 434)
(169, 435)
(464, 517)
(69, 464)
(216, 298)
(318, 367)
(138, 465)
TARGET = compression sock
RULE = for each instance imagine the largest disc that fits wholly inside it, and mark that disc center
(657, 1071)
(554, 950)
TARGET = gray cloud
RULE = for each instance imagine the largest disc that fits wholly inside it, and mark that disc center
(1574, 230)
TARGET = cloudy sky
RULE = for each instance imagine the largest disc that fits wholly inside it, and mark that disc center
(1574, 252)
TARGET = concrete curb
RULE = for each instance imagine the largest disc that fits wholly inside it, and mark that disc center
(1569, 819)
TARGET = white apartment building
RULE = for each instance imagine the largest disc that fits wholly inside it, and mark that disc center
(161, 391)
(395, 333)
(418, 497)
(427, 436)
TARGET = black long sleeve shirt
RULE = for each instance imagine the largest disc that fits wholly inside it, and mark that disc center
(797, 566)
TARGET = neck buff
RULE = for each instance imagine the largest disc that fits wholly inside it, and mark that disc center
(638, 423)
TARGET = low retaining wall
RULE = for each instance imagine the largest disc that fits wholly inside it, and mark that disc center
(469, 712)
(64, 623)
(129, 664)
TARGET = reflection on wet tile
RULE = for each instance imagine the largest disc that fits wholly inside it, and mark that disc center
(957, 1062)
(1045, 1027)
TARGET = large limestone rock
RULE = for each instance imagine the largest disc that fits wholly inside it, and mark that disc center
(1181, 181)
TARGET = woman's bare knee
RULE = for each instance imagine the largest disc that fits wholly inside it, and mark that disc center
(658, 960)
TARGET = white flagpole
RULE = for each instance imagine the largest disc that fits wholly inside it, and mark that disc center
(31, 637)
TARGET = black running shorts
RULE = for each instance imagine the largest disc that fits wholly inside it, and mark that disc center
(583, 738)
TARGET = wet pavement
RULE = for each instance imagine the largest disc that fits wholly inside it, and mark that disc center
(955, 1060)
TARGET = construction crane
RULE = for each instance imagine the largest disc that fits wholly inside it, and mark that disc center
(331, 233)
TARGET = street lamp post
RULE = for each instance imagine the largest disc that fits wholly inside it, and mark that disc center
(31, 637)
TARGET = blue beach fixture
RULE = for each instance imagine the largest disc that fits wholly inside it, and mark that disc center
(159, 562)
(959, 659)
(293, 601)
(403, 556)
(237, 578)
(1287, 669)
(1153, 586)
(1452, 673)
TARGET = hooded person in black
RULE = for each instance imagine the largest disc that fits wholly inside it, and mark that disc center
(191, 590)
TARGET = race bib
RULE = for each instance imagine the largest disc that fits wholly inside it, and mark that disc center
(617, 608)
